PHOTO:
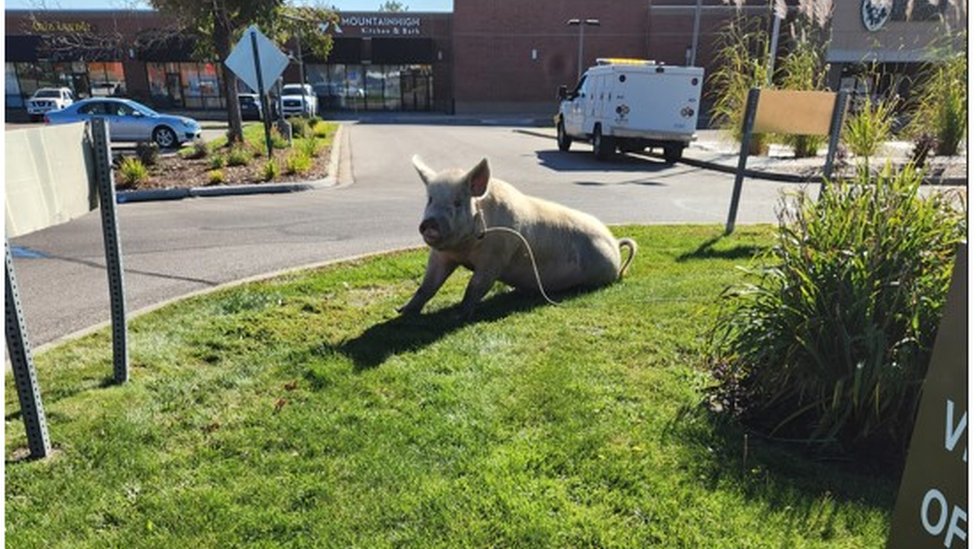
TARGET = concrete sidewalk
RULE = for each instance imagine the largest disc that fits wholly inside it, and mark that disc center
(716, 151)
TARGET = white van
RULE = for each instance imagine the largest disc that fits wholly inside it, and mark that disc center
(630, 105)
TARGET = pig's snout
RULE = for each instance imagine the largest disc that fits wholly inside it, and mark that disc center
(430, 230)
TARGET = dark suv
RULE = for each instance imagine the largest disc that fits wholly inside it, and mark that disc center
(250, 106)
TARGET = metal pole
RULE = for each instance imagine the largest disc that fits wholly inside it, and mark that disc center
(773, 45)
(301, 64)
(750, 117)
(25, 376)
(113, 249)
(579, 57)
(694, 32)
(836, 123)
(261, 91)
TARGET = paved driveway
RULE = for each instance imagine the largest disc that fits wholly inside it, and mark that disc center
(174, 248)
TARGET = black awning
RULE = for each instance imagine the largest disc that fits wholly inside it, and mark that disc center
(160, 47)
(345, 50)
(397, 51)
(21, 48)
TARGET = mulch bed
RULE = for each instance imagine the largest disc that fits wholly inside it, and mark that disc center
(171, 171)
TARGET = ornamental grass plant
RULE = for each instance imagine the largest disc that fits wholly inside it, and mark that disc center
(831, 340)
(132, 171)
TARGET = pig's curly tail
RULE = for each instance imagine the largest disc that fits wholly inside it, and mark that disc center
(631, 245)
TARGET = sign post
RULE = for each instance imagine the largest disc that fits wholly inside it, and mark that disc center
(22, 363)
(792, 112)
(113, 250)
(258, 62)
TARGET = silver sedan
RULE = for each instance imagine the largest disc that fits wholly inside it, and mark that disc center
(130, 121)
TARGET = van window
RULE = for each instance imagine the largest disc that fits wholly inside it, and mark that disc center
(581, 87)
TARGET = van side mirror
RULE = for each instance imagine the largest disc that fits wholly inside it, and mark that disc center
(563, 91)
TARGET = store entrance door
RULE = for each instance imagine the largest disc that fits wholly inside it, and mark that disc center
(174, 89)
(415, 87)
(79, 84)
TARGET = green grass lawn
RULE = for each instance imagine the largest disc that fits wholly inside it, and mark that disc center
(301, 411)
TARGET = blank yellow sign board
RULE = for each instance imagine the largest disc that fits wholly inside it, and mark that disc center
(794, 112)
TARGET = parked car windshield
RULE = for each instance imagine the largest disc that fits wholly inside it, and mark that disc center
(47, 93)
(294, 89)
(143, 109)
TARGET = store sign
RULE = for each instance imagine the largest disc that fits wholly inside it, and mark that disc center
(61, 27)
(875, 13)
(382, 25)
(932, 505)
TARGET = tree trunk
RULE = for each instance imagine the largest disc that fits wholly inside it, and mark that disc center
(223, 45)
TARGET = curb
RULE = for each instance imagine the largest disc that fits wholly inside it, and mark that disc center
(330, 180)
(130, 316)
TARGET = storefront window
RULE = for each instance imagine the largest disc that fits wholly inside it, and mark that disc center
(372, 87)
(12, 97)
(106, 79)
(391, 89)
(185, 85)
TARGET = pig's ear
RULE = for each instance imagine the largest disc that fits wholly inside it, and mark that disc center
(426, 174)
(478, 178)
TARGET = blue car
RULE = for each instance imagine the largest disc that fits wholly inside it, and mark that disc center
(130, 121)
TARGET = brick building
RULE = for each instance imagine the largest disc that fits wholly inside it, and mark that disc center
(485, 56)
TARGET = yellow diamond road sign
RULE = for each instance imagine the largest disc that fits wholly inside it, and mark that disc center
(270, 59)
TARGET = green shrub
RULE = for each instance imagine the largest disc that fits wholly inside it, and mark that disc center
(299, 127)
(313, 121)
(215, 177)
(271, 170)
(239, 155)
(309, 147)
(869, 127)
(322, 130)
(278, 141)
(833, 338)
(133, 171)
(217, 161)
(942, 104)
(297, 162)
(147, 152)
(198, 149)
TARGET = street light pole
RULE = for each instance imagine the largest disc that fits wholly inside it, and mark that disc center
(579, 58)
(694, 33)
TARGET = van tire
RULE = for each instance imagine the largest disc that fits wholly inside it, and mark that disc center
(672, 152)
(562, 140)
(603, 146)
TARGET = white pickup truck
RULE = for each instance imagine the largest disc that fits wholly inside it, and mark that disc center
(48, 99)
(631, 105)
(298, 100)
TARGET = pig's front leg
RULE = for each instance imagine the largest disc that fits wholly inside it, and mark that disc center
(481, 281)
(439, 268)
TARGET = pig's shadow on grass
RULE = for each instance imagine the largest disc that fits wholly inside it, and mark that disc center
(409, 333)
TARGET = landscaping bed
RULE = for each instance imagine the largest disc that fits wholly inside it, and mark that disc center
(302, 411)
(212, 164)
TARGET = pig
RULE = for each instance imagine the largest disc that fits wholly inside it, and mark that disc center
(572, 249)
